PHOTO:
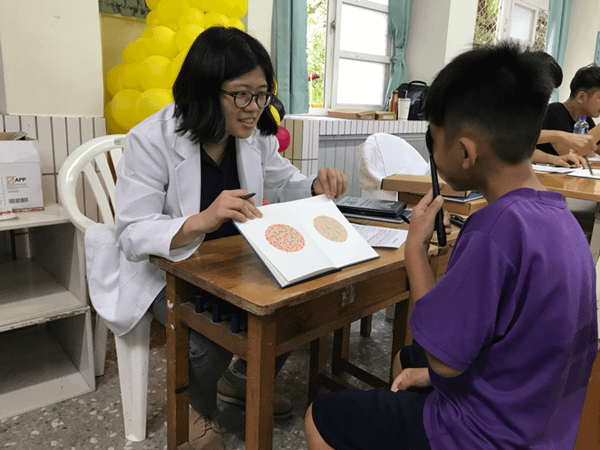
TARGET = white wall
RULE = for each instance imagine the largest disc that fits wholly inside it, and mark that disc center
(258, 21)
(50, 58)
(581, 42)
(439, 30)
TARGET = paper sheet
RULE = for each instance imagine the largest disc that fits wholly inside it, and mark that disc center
(382, 236)
(552, 169)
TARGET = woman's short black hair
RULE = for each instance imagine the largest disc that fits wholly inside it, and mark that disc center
(586, 79)
(501, 90)
(217, 55)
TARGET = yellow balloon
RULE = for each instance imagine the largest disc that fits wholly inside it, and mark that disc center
(113, 80)
(134, 52)
(151, 101)
(202, 5)
(176, 65)
(152, 19)
(213, 19)
(191, 15)
(162, 42)
(238, 24)
(152, 4)
(168, 10)
(275, 114)
(111, 126)
(147, 33)
(186, 36)
(231, 8)
(155, 72)
(130, 76)
(122, 107)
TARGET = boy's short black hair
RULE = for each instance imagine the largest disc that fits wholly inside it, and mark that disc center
(500, 90)
(586, 79)
(217, 55)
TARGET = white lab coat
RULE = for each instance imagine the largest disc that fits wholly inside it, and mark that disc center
(158, 188)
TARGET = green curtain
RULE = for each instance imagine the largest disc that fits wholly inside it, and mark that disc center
(559, 13)
(289, 54)
(399, 18)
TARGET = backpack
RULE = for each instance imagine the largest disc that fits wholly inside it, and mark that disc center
(416, 91)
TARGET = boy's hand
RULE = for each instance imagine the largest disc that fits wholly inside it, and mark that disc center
(411, 377)
(422, 220)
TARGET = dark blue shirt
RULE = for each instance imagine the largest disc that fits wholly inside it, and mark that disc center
(214, 180)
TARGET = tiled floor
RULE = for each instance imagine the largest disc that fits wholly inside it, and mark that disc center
(94, 421)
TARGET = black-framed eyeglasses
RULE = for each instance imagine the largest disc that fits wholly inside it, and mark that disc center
(244, 98)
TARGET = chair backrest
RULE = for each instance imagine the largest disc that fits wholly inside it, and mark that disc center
(382, 155)
(103, 152)
(588, 434)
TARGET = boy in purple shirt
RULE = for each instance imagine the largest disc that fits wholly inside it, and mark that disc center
(508, 336)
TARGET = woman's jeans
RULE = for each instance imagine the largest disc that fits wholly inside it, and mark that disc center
(208, 362)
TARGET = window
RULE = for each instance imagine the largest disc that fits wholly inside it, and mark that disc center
(522, 20)
(349, 53)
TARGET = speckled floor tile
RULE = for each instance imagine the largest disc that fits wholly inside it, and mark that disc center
(94, 421)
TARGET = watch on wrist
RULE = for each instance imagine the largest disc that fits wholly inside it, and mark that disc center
(312, 189)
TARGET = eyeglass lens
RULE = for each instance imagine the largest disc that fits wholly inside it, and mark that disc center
(243, 99)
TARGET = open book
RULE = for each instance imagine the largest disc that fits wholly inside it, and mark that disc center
(301, 239)
(585, 173)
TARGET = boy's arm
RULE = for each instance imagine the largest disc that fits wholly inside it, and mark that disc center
(441, 368)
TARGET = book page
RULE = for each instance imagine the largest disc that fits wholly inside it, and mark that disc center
(382, 236)
(552, 169)
(585, 173)
(327, 226)
(279, 239)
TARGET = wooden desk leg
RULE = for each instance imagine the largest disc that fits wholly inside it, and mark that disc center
(401, 335)
(341, 349)
(318, 364)
(366, 323)
(178, 344)
(260, 383)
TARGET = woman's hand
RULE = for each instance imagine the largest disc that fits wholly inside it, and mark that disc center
(330, 182)
(567, 160)
(422, 220)
(228, 205)
(411, 377)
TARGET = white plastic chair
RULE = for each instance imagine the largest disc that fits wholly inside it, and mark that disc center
(132, 348)
(382, 155)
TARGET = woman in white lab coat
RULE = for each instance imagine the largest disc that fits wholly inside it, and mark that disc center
(181, 179)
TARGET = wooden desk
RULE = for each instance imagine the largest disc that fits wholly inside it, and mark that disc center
(279, 320)
(580, 188)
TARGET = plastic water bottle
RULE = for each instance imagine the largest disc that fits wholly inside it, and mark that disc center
(581, 126)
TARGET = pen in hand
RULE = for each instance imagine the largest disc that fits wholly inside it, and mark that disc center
(249, 196)
(589, 166)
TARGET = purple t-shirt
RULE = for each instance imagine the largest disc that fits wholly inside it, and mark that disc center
(516, 313)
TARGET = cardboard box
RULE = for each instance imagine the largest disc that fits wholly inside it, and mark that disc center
(464, 208)
(356, 114)
(417, 184)
(385, 115)
(20, 176)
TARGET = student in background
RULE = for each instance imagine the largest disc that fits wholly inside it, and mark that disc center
(509, 334)
(181, 180)
(572, 144)
(583, 100)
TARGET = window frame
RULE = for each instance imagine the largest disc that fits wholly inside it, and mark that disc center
(505, 18)
(333, 54)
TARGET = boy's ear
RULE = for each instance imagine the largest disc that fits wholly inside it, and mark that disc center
(470, 151)
(581, 97)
